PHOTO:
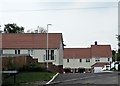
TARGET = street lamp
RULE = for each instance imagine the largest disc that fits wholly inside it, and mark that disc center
(47, 44)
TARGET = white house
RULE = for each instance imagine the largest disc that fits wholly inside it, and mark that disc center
(82, 59)
(35, 45)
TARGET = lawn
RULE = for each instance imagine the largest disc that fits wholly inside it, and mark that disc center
(27, 77)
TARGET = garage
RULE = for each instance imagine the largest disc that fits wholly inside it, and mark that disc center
(98, 67)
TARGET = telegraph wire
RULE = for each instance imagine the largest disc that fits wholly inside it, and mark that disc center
(56, 9)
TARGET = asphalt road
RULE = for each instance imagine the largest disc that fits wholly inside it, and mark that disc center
(87, 79)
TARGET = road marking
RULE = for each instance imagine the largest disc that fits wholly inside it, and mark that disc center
(52, 78)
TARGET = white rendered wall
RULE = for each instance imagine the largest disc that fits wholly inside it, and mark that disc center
(75, 63)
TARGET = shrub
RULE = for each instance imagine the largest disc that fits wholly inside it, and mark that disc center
(33, 67)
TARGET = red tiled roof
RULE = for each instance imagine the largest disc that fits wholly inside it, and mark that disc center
(100, 64)
(94, 51)
(31, 40)
(101, 51)
(77, 53)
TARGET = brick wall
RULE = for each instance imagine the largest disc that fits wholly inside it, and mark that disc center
(52, 67)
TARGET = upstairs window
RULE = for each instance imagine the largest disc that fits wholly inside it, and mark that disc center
(1, 51)
(30, 51)
(80, 60)
(67, 60)
(17, 51)
(97, 59)
(87, 60)
(108, 59)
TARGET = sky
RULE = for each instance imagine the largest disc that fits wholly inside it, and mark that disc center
(82, 22)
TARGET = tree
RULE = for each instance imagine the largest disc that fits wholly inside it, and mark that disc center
(13, 28)
(38, 30)
(41, 30)
(113, 55)
(118, 54)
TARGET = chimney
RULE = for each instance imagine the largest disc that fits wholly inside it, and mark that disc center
(95, 42)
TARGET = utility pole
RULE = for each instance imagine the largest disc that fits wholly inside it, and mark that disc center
(47, 45)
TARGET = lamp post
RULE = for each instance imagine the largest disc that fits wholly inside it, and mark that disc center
(47, 45)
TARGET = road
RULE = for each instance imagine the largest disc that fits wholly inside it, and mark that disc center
(87, 79)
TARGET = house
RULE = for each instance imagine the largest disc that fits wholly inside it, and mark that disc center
(35, 45)
(81, 59)
(75, 58)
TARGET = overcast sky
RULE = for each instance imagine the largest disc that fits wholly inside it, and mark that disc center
(81, 23)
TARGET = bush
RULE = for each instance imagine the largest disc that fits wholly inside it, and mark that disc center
(67, 70)
(112, 69)
(33, 67)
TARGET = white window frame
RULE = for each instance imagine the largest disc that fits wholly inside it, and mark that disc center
(68, 60)
(30, 52)
(108, 59)
(87, 60)
(49, 54)
(17, 51)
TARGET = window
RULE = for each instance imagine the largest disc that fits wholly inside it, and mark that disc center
(80, 60)
(47, 54)
(67, 60)
(97, 59)
(17, 51)
(50, 54)
(108, 59)
(30, 52)
(1, 51)
(44, 58)
(87, 60)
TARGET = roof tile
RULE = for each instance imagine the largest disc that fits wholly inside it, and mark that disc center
(93, 51)
(77, 53)
(31, 40)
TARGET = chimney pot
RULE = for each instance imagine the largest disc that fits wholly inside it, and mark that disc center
(95, 42)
